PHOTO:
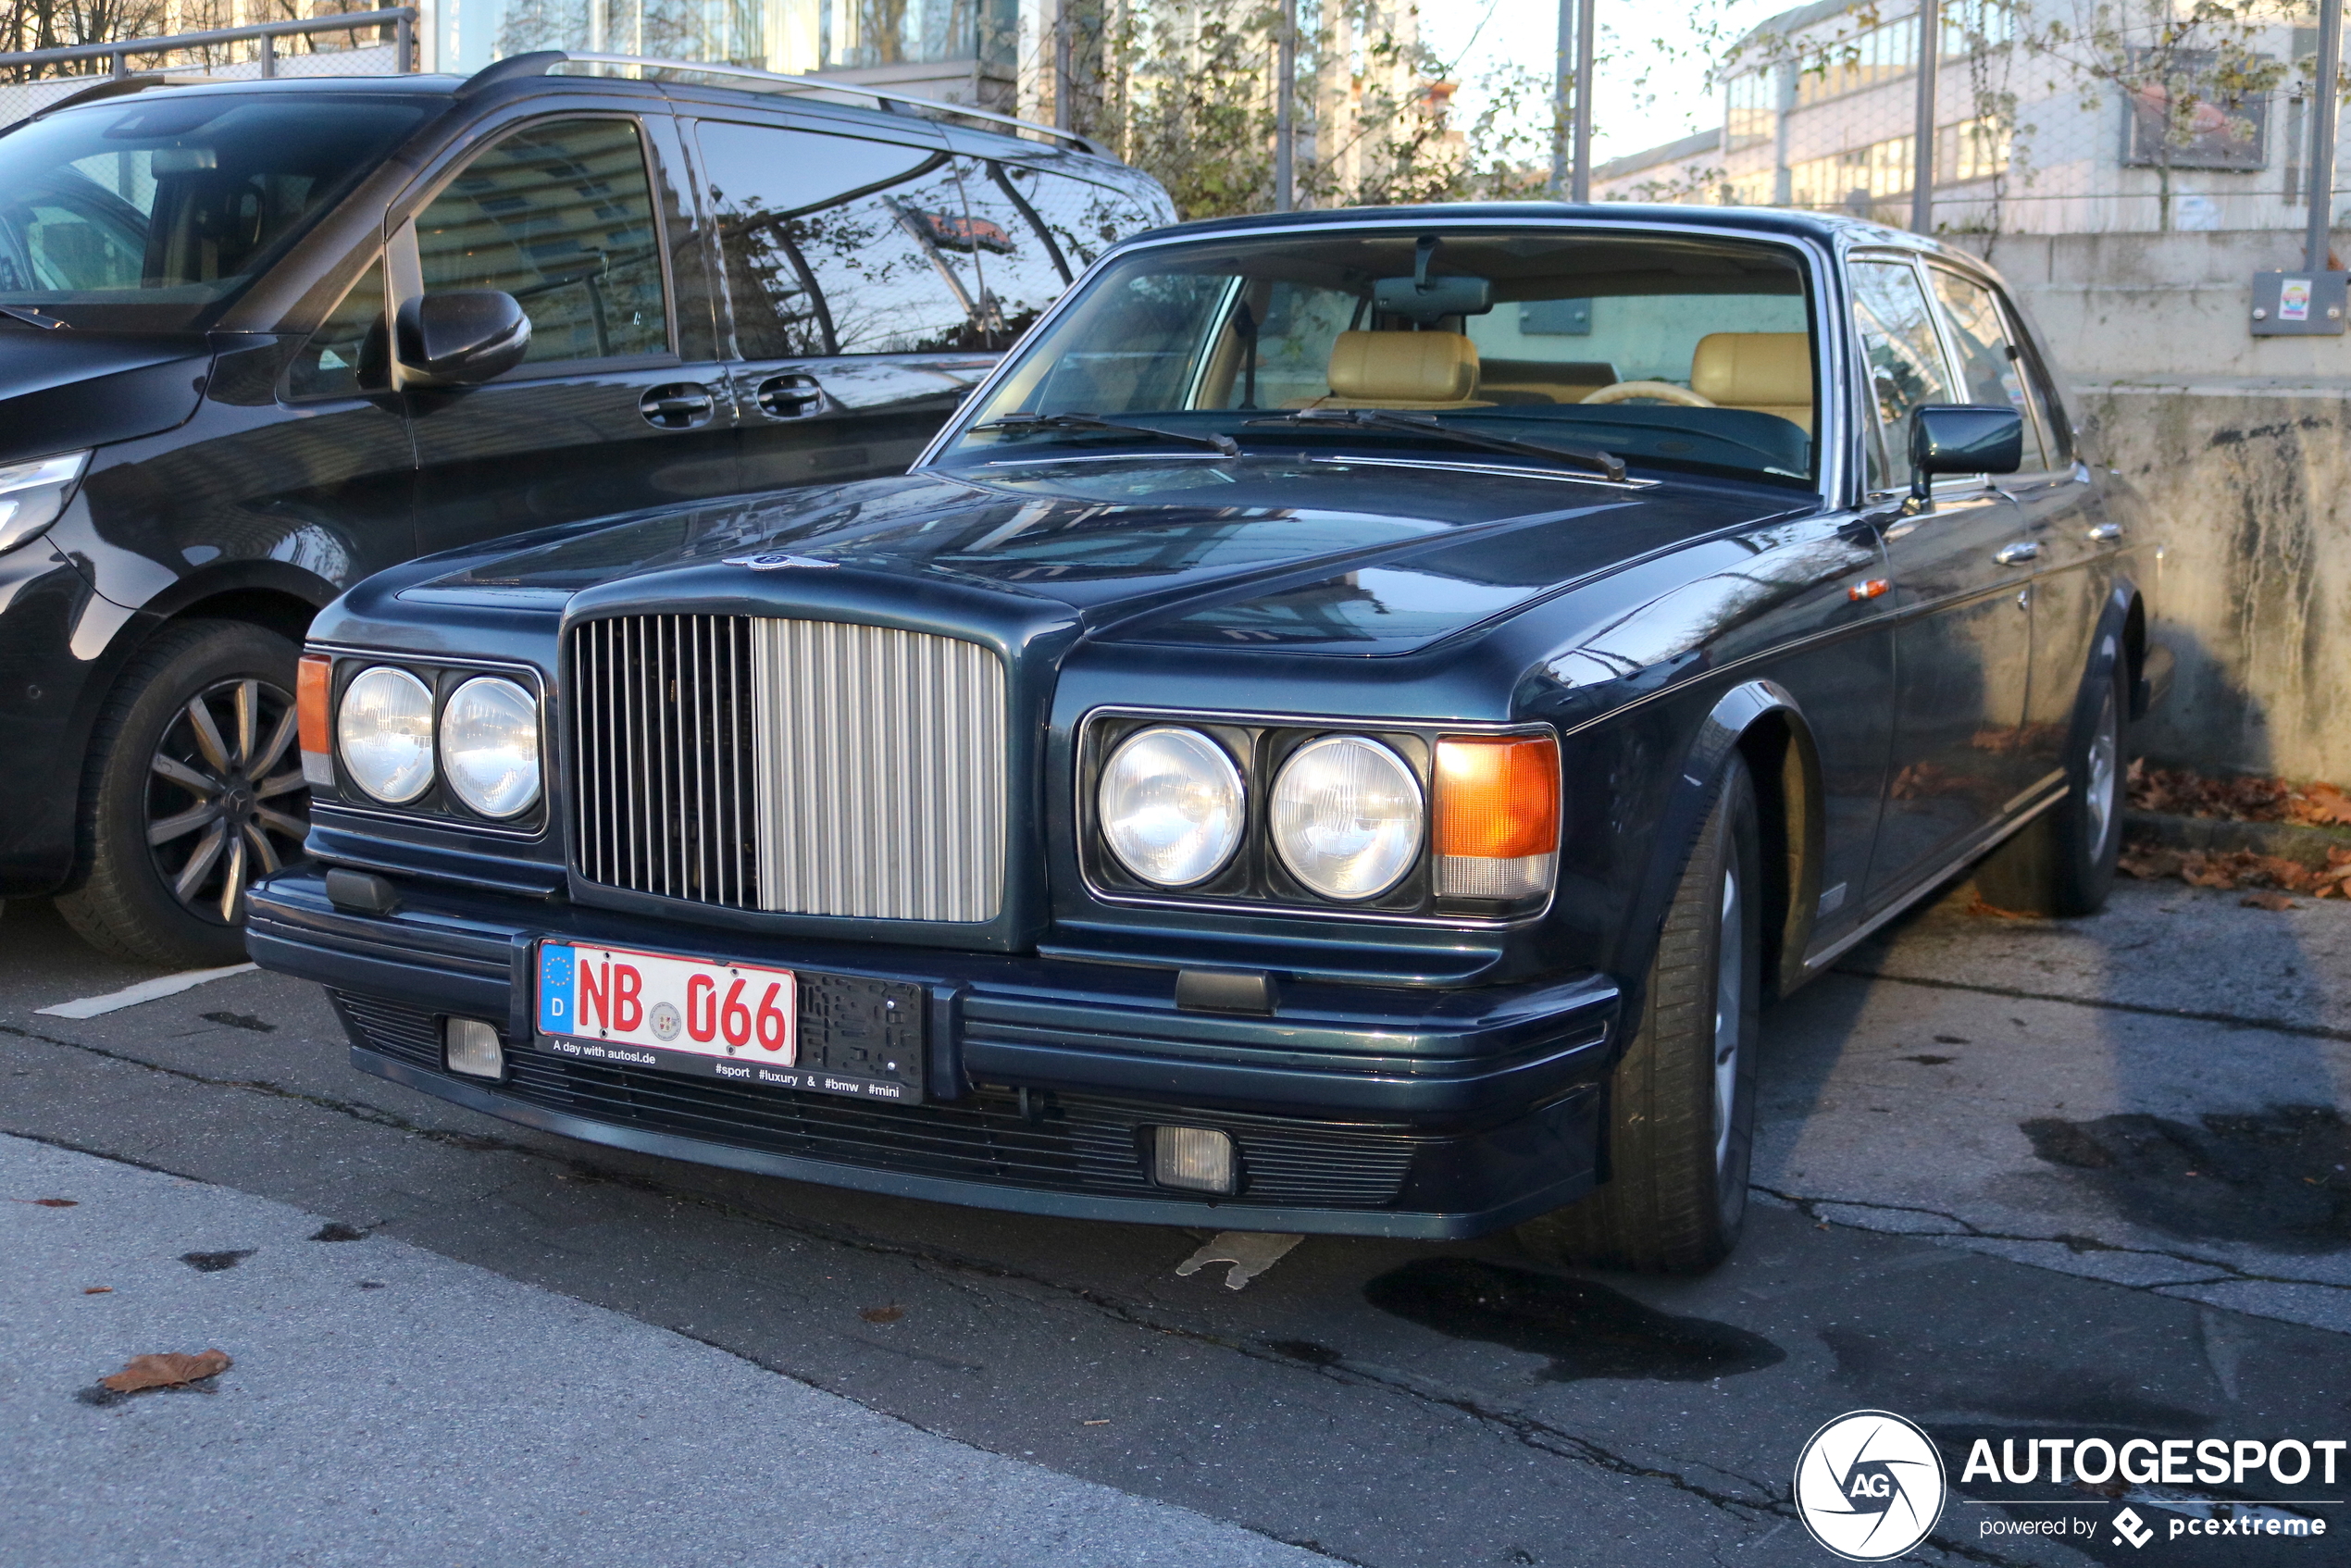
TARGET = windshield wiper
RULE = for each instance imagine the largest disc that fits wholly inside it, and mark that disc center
(33, 318)
(1606, 464)
(1014, 424)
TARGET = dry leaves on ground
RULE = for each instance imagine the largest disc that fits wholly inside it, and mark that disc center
(2266, 900)
(882, 1314)
(2177, 793)
(166, 1369)
(2149, 861)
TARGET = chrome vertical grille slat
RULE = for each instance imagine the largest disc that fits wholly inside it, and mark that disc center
(807, 768)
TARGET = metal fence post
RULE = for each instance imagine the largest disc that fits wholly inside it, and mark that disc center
(403, 45)
(1562, 101)
(1922, 136)
(1582, 191)
(1286, 112)
(268, 56)
(2323, 123)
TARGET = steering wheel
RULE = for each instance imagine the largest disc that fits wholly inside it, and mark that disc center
(1663, 392)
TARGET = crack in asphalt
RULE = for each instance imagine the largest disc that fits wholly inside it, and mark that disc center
(1526, 1430)
(1810, 1208)
(2189, 1014)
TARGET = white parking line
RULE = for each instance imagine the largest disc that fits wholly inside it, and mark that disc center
(145, 991)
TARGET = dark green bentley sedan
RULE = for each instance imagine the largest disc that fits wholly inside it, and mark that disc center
(1343, 732)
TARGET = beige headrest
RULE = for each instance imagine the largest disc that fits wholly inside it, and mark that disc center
(1414, 367)
(1752, 369)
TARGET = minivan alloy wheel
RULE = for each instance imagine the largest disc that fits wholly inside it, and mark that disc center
(226, 802)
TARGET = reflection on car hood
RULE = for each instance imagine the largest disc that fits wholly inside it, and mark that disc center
(1334, 555)
(64, 390)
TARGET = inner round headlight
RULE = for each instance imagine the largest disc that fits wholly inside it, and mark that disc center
(385, 728)
(1346, 816)
(1170, 805)
(490, 745)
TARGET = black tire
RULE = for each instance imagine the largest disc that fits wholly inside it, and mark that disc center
(1681, 1116)
(2062, 862)
(193, 789)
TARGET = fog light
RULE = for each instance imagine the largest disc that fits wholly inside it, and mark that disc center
(473, 1049)
(1196, 1158)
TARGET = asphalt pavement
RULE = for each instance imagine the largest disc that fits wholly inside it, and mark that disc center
(2017, 1180)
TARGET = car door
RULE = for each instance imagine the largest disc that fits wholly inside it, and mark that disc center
(1963, 641)
(621, 402)
(2064, 524)
(858, 315)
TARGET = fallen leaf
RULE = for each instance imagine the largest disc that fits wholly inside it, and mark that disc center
(1103, 1421)
(881, 1314)
(1977, 906)
(97, 1289)
(2266, 900)
(48, 1202)
(168, 1369)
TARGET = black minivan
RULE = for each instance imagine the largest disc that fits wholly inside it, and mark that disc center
(261, 339)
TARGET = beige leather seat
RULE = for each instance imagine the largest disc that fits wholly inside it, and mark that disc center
(1763, 372)
(1401, 370)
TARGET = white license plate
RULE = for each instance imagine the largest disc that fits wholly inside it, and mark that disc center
(613, 996)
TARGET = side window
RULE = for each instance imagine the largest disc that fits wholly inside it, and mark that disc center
(836, 244)
(1904, 359)
(1296, 325)
(1990, 371)
(346, 355)
(1021, 264)
(561, 216)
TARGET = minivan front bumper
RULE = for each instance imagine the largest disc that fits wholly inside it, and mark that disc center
(1403, 1112)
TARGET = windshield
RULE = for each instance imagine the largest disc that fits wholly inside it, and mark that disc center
(1669, 353)
(142, 214)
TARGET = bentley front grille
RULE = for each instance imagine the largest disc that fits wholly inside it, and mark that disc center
(802, 767)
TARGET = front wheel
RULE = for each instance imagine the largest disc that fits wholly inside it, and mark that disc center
(1681, 1107)
(194, 792)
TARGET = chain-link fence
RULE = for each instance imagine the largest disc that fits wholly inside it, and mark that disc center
(346, 40)
(2050, 117)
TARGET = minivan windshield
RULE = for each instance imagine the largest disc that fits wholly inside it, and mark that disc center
(142, 214)
(1662, 351)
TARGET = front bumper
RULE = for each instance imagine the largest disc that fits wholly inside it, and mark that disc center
(1407, 1111)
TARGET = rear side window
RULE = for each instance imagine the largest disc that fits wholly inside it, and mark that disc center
(1904, 358)
(561, 216)
(838, 245)
(1083, 218)
(1021, 264)
(1991, 369)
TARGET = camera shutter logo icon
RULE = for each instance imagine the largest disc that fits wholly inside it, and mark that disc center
(1869, 1486)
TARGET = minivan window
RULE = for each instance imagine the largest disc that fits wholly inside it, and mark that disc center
(839, 244)
(561, 216)
(1020, 266)
(143, 214)
(346, 355)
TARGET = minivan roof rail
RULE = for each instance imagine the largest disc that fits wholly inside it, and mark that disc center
(540, 62)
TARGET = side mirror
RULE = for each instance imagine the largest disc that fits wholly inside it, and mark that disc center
(1962, 438)
(461, 338)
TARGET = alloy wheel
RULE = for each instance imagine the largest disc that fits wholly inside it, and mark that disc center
(1730, 996)
(226, 801)
(2104, 773)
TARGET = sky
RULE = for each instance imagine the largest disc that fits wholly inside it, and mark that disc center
(1657, 39)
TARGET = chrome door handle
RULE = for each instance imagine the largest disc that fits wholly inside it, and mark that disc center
(2105, 533)
(2023, 549)
(680, 406)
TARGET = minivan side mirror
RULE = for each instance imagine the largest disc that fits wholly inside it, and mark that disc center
(460, 337)
(1962, 438)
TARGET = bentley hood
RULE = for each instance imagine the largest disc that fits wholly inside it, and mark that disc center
(1329, 556)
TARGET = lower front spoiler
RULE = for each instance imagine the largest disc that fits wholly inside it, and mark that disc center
(1160, 1209)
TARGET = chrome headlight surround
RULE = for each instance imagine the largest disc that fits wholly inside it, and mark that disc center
(449, 799)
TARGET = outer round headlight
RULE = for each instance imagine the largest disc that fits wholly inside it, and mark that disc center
(1346, 816)
(385, 729)
(490, 745)
(1171, 806)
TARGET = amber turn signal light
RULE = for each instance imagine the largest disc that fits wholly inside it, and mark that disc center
(314, 682)
(1498, 816)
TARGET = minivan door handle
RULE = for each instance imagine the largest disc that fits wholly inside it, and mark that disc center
(2023, 550)
(2105, 533)
(682, 406)
(793, 395)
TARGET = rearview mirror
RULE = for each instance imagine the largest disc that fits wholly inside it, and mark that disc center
(1427, 299)
(1962, 438)
(461, 338)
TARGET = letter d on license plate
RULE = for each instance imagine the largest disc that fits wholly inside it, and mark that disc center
(631, 1003)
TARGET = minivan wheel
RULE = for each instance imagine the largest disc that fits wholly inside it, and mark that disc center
(1681, 1106)
(194, 792)
(2062, 862)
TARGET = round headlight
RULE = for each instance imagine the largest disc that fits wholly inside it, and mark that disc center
(1171, 806)
(1346, 816)
(385, 728)
(490, 745)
